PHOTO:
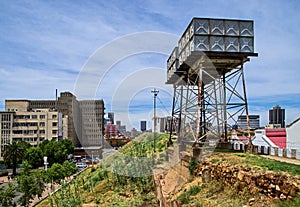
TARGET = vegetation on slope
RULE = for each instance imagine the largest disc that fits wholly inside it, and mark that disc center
(122, 179)
(262, 163)
(125, 179)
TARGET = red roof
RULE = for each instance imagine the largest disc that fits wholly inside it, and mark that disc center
(277, 136)
(243, 138)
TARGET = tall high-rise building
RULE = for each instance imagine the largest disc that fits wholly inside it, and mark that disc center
(143, 126)
(243, 123)
(277, 116)
(118, 123)
(92, 118)
(111, 117)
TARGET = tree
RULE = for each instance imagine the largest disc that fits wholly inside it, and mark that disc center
(55, 173)
(57, 152)
(34, 157)
(7, 195)
(29, 185)
(14, 154)
(69, 168)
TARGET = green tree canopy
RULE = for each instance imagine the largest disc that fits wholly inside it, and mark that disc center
(14, 154)
(57, 152)
(34, 156)
(7, 194)
(69, 168)
(55, 173)
(29, 185)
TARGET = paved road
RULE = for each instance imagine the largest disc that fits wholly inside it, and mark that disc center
(283, 159)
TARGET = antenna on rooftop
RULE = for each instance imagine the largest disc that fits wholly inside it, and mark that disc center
(56, 99)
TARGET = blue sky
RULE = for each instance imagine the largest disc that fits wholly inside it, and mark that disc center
(46, 45)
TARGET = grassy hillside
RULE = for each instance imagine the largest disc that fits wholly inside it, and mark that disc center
(125, 179)
(122, 179)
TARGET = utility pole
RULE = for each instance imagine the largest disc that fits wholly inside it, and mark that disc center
(155, 93)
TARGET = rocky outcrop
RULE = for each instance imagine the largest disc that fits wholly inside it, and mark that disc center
(169, 182)
(268, 183)
(245, 179)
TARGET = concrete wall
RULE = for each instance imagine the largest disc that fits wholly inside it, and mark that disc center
(293, 136)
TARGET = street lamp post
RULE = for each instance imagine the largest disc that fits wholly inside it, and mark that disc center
(45, 162)
(155, 93)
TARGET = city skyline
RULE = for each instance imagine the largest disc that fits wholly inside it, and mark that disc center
(46, 45)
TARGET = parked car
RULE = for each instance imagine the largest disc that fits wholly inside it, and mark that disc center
(81, 165)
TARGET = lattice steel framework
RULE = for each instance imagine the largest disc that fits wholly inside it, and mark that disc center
(207, 73)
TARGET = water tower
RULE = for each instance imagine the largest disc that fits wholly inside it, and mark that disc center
(206, 70)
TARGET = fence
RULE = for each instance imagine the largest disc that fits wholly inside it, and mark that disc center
(275, 151)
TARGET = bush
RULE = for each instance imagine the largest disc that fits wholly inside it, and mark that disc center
(192, 165)
(185, 197)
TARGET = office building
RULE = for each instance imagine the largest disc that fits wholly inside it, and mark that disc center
(85, 118)
(163, 124)
(118, 123)
(243, 124)
(143, 126)
(111, 117)
(277, 116)
(33, 126)
(92, 112)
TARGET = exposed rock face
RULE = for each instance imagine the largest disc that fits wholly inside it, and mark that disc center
(268, 183)
(271, 184)
(169, 182)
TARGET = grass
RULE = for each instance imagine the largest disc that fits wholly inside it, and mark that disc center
(184, 198)
(213, 193)
(108, 184)
(104, 185)
(269, 164)
(255, 161)
(294, 203)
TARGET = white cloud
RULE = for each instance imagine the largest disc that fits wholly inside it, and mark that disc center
(44, 45)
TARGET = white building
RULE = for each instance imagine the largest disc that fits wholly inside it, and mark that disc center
(293, 135)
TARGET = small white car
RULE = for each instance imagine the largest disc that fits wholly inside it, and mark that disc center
(81, 165)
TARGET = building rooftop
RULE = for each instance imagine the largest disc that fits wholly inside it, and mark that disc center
(277, 136)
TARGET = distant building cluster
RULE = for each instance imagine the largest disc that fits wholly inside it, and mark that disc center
(276, 120)
(162, 124)
(275, 134)
(81, 121)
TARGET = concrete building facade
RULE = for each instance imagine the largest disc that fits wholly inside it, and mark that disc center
(163, 124)
(32, 126)
(92, 119)
(83, 119)
(243, 124)
(293, 135)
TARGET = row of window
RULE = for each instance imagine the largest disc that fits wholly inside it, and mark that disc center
(54, 116)
(5, 141)
(29, 139)
(5, 133)
(41, 124)
(32, 132)
(6, 117)
(5, 125)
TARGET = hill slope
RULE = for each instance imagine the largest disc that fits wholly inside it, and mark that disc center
(125, 179)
